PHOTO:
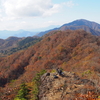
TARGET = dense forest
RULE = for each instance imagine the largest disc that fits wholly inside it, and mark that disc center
(74, 51)
(15, 46)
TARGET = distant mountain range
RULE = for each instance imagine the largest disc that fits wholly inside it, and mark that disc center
(20, 33)
(88, 26)
(23, 33)
(21, 39)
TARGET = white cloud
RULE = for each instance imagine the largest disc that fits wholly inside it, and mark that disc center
(30, 8)
(18, 14)
(23, 22)
(69, 4)
(51, 11)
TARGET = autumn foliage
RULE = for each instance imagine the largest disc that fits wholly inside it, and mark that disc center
(75, 51)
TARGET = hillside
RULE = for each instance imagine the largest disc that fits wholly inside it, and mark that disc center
(9, 42)
(14, 44)
(80, 22)
(73, 51)
(88, 26)
(83, 27)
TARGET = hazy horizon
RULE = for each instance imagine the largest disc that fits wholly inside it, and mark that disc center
(42, 14)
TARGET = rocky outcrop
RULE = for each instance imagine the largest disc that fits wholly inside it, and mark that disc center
(67, 87)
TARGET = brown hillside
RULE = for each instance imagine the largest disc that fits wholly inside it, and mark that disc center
(9, 43)
(75, 51)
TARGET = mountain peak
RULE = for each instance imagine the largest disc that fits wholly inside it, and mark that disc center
(88, 26)
(82, 20)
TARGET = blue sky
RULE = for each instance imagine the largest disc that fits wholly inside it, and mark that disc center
(38, 14)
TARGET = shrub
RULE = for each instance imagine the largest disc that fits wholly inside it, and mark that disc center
(22, 93)
(36, 81)
(87, 72)
(53, 71)
(99, 97)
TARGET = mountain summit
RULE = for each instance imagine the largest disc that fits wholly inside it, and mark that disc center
(83, 22)
(88, 26)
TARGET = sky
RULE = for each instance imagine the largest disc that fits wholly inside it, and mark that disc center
(38, 14)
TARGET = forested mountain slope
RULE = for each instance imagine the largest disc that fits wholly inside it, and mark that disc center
(74, 51)
(88, 26)
(14, 44)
